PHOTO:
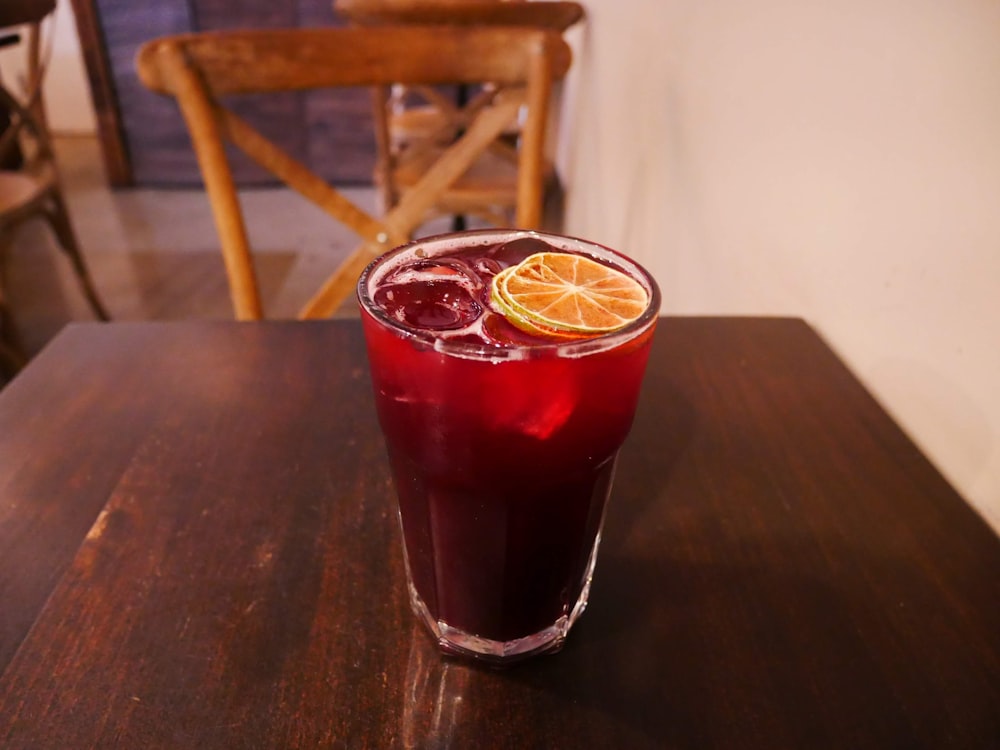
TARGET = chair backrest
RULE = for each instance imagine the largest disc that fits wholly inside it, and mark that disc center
(200, 69)
(14, 12)
(556, 15)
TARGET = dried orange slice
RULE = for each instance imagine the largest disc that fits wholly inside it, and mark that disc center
(520, 321)
(568, 293)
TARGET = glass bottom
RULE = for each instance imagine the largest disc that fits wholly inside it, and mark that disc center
(457, 642)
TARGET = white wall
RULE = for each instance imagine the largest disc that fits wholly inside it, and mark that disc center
(838, 161)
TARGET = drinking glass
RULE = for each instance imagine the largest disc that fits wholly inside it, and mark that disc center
(502, 459)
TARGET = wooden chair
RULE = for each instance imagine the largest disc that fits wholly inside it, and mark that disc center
(419, 122)
(29, 179)
(201, 69)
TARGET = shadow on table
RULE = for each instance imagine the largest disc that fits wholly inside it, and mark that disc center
(662, 430)
(677, 658)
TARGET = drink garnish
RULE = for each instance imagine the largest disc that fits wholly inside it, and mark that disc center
(564, 295)
(517, 319)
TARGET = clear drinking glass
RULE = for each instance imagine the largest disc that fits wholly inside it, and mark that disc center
(502, 445)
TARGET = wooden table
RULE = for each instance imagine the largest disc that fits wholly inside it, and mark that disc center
(198, 549)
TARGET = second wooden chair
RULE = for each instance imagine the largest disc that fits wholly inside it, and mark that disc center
(417, 123)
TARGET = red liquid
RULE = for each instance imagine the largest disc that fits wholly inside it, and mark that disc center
(502, 465)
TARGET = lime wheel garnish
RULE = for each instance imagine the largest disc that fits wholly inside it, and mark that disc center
(563, 295)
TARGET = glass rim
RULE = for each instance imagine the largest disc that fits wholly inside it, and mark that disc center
(486, 352)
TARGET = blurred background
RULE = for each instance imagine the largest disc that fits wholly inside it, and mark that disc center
(838, 162)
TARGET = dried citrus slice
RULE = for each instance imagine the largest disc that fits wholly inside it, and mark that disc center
(565, 292)
(520, 321)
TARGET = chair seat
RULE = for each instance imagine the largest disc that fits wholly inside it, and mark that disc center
(427, 122)
(20, 191)
(420, 124)
(491, 180)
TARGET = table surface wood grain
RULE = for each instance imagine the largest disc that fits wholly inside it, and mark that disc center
(198, 548)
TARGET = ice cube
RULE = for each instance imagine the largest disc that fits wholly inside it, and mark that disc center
(513, 252)
(550, 414)
(431, 305)
(456, 270)
(496, 328)
(488, 267)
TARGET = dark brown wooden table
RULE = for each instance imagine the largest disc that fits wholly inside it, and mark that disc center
(198, 549)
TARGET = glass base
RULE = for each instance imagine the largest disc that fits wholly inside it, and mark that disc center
(458, 642)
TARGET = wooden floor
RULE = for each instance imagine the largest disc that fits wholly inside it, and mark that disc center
(154, 255)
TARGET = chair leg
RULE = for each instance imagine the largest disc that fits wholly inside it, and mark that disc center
(12, 357)
(59, 220)
(12, 361)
